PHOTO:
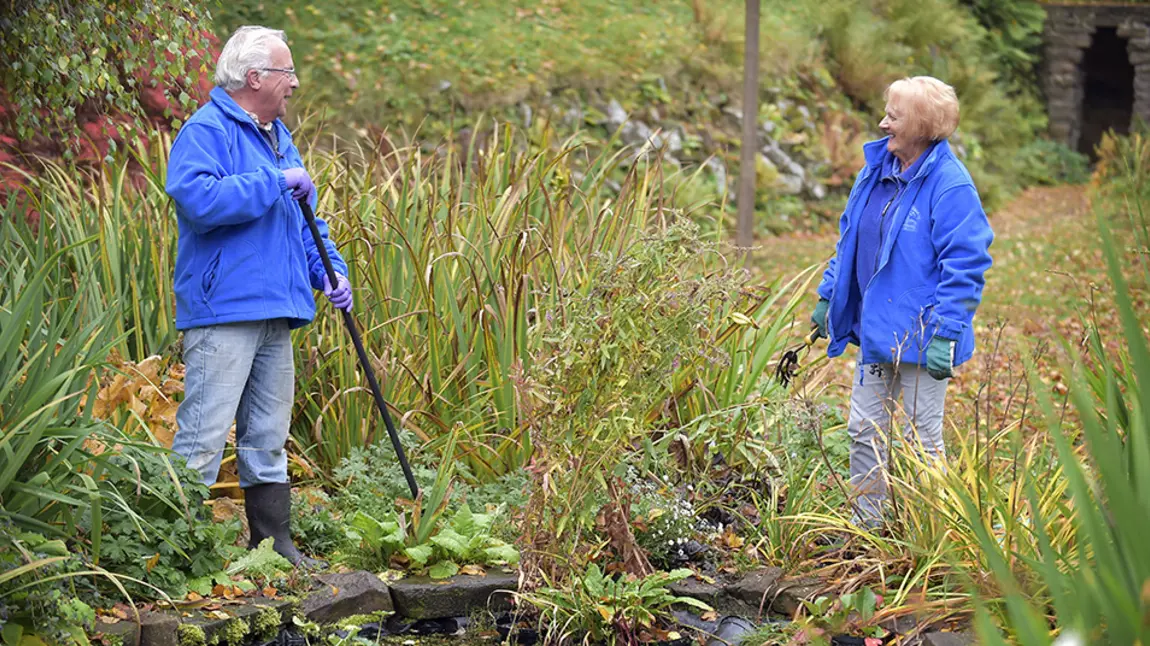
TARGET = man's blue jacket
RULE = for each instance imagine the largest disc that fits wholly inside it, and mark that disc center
(933, 255)
(245, 252)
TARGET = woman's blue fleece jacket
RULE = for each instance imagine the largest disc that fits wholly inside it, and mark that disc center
(245, 252)
(933, 255)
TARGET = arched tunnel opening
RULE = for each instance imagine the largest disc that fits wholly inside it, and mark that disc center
(1108, 102)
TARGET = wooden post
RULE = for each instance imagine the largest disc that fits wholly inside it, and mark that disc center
(744, 236)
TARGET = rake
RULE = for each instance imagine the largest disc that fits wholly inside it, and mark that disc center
(364, 362)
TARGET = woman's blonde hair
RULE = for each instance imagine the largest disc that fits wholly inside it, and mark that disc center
(931, 106)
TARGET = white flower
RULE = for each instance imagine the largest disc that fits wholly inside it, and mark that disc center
(1069, 638)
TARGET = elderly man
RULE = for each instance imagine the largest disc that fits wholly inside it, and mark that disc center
(246, 266)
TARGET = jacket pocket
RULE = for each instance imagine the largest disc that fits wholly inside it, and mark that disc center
(913, 309)
(210, 279)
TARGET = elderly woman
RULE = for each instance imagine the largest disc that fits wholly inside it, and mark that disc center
(905, 281)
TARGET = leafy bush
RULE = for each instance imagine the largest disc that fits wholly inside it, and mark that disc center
(616, 350)
(1013, 37)
(599, 608)
(465, 539)
(61, 59)
(37, 590)
(664, 522)
(264, 563)
(316, 527)
(1044, 162)
(169, 543)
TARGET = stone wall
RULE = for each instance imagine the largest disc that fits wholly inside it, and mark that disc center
(1068, 33)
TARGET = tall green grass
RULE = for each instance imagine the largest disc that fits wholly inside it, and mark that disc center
(459, 259)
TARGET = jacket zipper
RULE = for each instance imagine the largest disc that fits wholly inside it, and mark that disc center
(834, 286)
(276, 157)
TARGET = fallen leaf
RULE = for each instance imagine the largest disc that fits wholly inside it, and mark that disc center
(473, 570)
(195, 596)
(270, 592)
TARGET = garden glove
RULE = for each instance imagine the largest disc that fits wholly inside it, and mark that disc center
(300, 183)
(940, 358)
(340, 295)
(819, 318)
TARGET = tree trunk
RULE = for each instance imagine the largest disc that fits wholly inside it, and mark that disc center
(744, 235)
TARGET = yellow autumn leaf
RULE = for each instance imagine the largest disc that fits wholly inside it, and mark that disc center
(151, 563)
(606, 613)
(742, 319)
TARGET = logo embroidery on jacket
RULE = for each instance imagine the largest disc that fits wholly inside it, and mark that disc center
(911, 223)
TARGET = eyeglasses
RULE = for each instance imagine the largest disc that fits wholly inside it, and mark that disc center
(290, 71)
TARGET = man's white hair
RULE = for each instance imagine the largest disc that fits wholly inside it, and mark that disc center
(248, 49)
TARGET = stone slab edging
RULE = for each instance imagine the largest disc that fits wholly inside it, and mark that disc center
(338, 596)
(335, 597)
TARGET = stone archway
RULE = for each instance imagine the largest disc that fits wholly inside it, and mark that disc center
(1108, 88)
(1096, 70)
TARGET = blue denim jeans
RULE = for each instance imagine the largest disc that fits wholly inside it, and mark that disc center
(242, 372)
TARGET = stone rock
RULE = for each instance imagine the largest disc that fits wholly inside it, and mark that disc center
(791, 594)
(757, 587)
(346, 594)
(1139, 57)
(426, 598)
(691, 587)
(713, 595)
(637, 133)
(789, 184)
(573, 116)
(766, 587)
(782, 160)
(674, 141)
(719, 170)
(155, 629)
(816, 190)
(616, 115)
(948, 639)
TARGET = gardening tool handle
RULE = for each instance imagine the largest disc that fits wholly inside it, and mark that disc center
(812, 337)
(353, 330)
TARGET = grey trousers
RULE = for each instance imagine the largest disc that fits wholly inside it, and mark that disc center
(885, 397)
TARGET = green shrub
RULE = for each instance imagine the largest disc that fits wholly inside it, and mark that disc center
(1094, 565)
(316, 527)
(61, 58)
(1044, 162)
(614, 352)
(598, 608)
(370, 479)
(38, 590)
(1013, 37)
(169, 544)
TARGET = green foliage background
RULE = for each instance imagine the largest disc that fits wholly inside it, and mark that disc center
(62, 62)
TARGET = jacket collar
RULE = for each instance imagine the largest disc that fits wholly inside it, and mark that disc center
(226, 103)
(875, 152)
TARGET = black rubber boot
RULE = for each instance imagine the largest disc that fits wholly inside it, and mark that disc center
(269, 514)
